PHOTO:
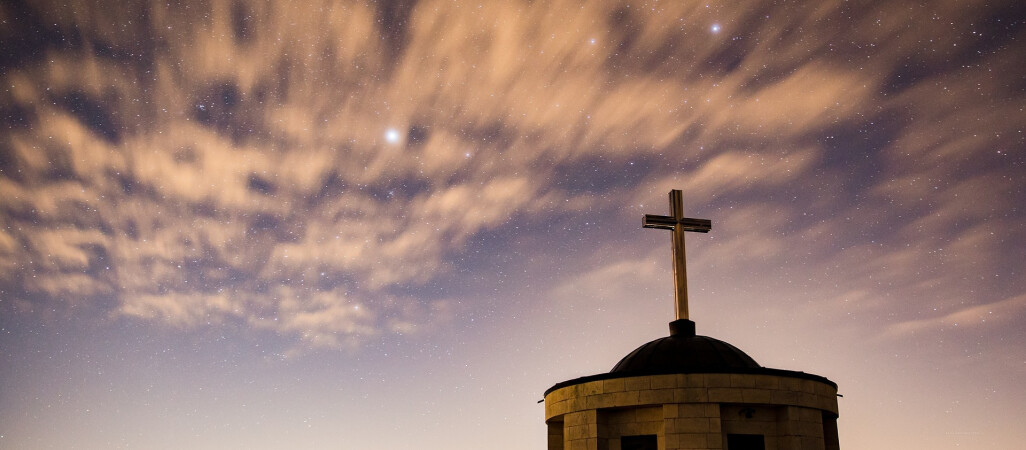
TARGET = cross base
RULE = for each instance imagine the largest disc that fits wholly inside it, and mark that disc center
(682, 327)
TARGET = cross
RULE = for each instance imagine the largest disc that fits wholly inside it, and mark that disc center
(677, 223)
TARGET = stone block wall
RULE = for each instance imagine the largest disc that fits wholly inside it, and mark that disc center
(692, 425)
(631, 422)
(693, 411)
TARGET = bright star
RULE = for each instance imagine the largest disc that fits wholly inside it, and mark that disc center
(392, 135)
(715, 28)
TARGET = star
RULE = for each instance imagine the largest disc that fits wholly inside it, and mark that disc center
(715, 28)
(392, 136)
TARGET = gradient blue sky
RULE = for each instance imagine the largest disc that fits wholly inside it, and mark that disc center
(393, 225)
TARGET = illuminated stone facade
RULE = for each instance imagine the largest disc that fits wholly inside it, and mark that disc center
(720, 399)
(694, 411)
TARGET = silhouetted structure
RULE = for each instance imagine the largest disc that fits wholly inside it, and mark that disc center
(687, 391)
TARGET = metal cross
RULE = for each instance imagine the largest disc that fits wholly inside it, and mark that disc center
(677, 223)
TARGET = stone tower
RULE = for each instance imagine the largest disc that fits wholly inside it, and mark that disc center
(686, 391)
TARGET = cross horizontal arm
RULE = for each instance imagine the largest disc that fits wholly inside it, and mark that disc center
(699, 225)
(669, 223)
(660, 222)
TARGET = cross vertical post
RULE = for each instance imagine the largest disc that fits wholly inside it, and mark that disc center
(678, 224)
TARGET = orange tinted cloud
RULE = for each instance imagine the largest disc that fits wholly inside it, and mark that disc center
(200, 163)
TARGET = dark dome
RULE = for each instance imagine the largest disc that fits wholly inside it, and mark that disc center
(684, 352)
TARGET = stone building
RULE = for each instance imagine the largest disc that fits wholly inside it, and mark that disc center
(686, 391)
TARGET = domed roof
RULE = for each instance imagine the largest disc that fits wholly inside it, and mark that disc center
(684, 352)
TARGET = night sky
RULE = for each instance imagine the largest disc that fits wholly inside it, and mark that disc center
(393, 225)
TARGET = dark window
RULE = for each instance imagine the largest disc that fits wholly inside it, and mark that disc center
(645, 442)
(745, 442)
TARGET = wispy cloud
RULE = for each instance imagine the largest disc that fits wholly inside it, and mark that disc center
(230, 161)
(996, 314)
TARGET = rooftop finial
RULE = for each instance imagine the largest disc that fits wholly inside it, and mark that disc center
(677, 223)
